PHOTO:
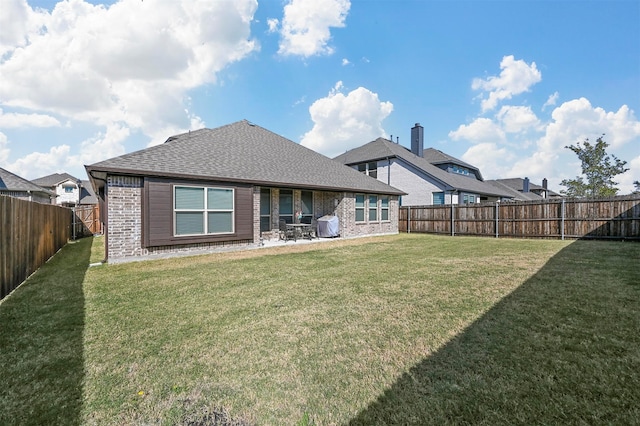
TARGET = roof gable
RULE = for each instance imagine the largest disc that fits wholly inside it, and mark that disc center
(241, 152)
(54, 179)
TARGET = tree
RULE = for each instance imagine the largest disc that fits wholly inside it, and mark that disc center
(599, 169)
(637, 185)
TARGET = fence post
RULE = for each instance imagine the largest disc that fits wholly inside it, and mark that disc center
(453, 225)
(497, 213)
(408, 219)
(562, 221)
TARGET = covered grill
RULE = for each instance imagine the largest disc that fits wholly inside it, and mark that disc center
(328, 226)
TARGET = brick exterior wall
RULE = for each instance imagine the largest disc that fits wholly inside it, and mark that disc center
(124, 226)
(124, 231)
(331, 203)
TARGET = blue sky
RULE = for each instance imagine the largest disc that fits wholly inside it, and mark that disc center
(503, 85)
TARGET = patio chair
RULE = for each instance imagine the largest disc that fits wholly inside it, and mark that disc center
(286, 233)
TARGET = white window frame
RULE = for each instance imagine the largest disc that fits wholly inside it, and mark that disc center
(383, 208)
(205, 210)
(373, 208)
(363, 208)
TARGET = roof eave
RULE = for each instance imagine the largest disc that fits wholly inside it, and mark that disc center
(142, 173)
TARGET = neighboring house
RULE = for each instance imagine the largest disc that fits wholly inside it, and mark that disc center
(229, 187)
(15, 186)
(70, 191)
(524, 190)
(428, 176)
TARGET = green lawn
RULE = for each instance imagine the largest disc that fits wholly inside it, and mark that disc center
(406, 329)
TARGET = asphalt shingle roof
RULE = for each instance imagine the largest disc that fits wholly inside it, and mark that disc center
(518, 195)
(54, 179)
(382, 148)
(13, 182)
(242, 152)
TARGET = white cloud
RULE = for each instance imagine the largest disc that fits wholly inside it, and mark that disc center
(15, 120)
(492, 161)
(306, 26)
(4, 151)
(551, 100)
(576, 120)
(481, 130)
(14, 21)
(61, 159)
(345, 61)
(132, 62)
(273, 25)
(517, 119)
(343, 122)
(516, 77)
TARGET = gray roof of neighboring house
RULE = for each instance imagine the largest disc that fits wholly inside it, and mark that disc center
(518, 195)
(435, 156)
(517, 184)
(87, 194)
(53, 180)
(13, 182)
(382, 148)
(241, 152)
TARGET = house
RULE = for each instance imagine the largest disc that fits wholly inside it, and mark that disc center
(70, 191)
(428, 176)
(15, 186)
(228, 187)
(524, 189)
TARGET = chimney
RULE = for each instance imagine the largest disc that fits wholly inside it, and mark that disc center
(417, 140)
(544, 183)
(525, 185)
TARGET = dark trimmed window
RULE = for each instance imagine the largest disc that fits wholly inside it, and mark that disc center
(203, 210)
(265, 209)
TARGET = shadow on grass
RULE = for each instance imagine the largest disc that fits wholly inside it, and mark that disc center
(41, 342)
(563, 348)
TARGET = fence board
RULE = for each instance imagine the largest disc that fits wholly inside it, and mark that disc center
(30, 233)
(610, 218)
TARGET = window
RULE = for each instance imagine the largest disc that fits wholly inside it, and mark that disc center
(384, 208)
(460, 170)
(468, 199)
(265, 209)
(68, 189)
(203, 210)
(307, 206)
(372, 169)
(286, 205)
(373, 208)
(359, 207)
(438, 198)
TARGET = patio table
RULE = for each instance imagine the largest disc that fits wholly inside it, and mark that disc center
(303, 230)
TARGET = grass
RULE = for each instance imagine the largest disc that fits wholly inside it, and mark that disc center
(407, 329)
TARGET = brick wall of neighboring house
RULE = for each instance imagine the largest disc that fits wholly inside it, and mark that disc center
(64, 197)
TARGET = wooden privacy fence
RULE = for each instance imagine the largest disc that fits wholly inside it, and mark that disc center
(30, 233)
(610, 218)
